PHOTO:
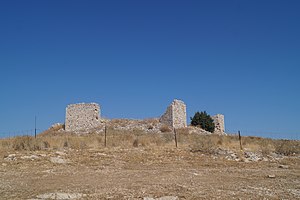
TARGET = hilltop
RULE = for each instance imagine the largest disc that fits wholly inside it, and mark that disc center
(142, 162)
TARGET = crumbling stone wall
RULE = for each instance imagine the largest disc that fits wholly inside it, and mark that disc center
(82, 116)
(219, 124)
(175, 115)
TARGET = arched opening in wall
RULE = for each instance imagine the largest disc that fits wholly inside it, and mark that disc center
(97, 118)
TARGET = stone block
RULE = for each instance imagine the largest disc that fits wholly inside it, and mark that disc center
(219, 124)
(175, 115)
(82, 116)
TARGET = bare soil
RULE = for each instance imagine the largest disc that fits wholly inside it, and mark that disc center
(137, 173)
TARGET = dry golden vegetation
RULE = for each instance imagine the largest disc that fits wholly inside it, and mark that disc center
(54, 139)
(136, 164)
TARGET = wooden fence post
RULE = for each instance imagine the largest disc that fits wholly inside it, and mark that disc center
(175, 134)
(105, 136)
(240, 139)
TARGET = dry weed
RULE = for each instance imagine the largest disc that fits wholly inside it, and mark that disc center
(205, 144)
(266, 146)
(287, 147)
(153, 121)
(165, 129)
(25, 143)
(138, 138)
(135, 142)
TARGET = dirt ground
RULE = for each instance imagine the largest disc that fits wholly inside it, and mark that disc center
(138, 173)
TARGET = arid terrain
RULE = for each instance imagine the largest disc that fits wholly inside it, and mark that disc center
(148, 166)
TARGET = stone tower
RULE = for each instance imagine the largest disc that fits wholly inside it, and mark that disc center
(175, 116)
(82, 116)
(219, 124)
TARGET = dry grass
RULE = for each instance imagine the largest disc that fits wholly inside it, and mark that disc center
(24, 143)
(54, 130)
(165, 129)
(58, 140)
(54, 139)
(204, 144)
(120, 122)
(287, 147)
(137, 164)
(153, 121)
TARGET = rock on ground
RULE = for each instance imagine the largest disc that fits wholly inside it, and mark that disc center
(162, 198)
(58, 160)
(60, 196)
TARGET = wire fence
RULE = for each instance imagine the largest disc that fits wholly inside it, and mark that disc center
(265, 134)
(9, 134)
(268, 134)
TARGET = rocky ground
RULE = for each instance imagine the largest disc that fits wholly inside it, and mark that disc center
(146, 126)
(147, 173)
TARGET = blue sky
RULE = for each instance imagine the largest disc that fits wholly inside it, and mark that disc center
(238, 58)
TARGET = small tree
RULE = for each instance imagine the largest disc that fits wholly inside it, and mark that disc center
(203, 120)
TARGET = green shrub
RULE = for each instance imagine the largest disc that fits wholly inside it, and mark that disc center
(203, 120)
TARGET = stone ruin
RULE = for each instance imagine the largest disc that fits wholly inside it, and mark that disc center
(219, 124)
(82, 116)
(175, 115)
(86, 116)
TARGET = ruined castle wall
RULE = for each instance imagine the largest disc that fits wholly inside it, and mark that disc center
(175, 116)
(82, 116)
(219, 124)
(179, 114)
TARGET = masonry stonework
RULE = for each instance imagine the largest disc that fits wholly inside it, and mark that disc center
(175, 116)
(219, 124)
(82, 116)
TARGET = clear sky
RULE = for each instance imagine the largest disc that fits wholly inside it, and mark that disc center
(238, 58)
